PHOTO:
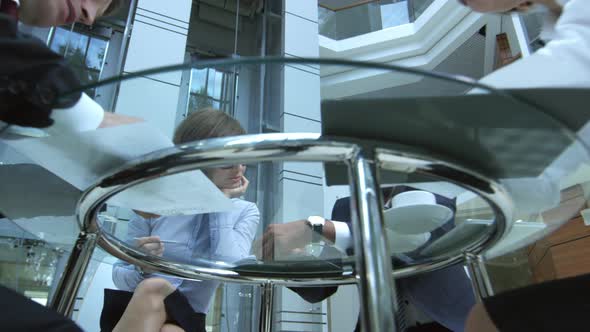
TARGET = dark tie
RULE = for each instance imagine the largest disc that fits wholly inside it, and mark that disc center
(400, 315)
(8, 7)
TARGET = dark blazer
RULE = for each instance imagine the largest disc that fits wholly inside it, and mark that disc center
(20, 314)
(445, 295)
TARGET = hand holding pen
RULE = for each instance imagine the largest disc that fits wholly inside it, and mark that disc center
(152, 245)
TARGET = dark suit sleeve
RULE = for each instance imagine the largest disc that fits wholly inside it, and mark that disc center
(18, 313)
(341, 210)
(557, 305)
(314, 294)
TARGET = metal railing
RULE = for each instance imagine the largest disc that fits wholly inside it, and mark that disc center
(361, 17)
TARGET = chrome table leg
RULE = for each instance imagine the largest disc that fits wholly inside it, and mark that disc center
(480, 280)
(65, 294)
(266, 309)
(373, 259)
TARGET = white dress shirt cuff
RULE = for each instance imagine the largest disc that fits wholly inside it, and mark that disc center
(85, 115)
(343, 238)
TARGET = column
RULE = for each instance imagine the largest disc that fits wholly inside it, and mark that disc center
(300, 183)
(158, 39)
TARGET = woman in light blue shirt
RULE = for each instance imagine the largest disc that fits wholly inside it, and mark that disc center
(224, 236)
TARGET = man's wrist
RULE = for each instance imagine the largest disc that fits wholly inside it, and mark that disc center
(329, 231)
(316, 224)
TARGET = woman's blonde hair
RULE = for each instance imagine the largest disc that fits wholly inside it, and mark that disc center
(207, 123)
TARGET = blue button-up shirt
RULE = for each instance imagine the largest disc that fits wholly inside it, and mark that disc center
(224, 236)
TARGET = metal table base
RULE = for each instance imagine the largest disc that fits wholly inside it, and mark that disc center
(373, 262)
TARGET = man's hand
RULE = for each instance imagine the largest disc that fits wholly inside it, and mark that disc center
(238, 191)
(113, 119)
(282, 239)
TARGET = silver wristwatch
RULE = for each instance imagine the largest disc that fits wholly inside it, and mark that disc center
(316, 223)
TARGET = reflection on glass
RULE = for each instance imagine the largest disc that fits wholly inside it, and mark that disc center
(224, 236)
(421, 225)
(209, 88)
(394, 14)
(417, 7)
(199, 81)
(214, 84)
(423, 221)
(96, 53)
(474, 135)
(367, 16)
(86, 54)
(28, 264)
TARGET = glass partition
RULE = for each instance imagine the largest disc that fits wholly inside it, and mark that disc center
(219, 215)
(345, 20)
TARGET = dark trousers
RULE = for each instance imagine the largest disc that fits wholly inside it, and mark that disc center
(178, 309)
(561, 305)
(18, 313)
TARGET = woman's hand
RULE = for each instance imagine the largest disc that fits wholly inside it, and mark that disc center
(146, 215)
(115, 119)
(150, 245)
(237, 191)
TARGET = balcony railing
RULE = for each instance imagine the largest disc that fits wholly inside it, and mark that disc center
(341, 19)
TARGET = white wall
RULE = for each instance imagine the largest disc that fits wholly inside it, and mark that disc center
(158, 39)
(301, 108)
(344, 308)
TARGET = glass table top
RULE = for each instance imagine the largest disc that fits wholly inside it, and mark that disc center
(246, 218)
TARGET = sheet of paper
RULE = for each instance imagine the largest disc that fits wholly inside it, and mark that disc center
(57, 230)
(84, 158)
(29, 191)
(179, 194)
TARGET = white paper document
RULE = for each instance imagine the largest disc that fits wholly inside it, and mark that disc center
(179, 194)
(29, 191)
(56, 230)
(81, 159)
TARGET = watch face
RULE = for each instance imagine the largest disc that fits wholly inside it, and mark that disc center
(315, 220)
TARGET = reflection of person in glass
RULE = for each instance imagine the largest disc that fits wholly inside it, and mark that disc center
(158, 299)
